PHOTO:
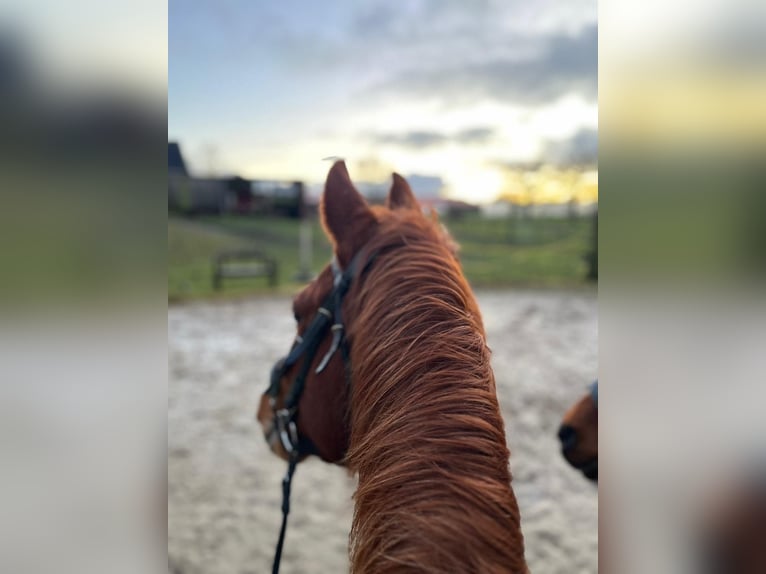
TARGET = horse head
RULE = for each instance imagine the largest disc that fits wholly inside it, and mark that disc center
(578, 434)
(731, 528)
(321, 423)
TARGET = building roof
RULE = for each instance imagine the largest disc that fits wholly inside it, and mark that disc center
(175, 159)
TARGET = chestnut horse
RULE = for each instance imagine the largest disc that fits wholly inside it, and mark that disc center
(579, 434)
(731, 529)
(409, 402)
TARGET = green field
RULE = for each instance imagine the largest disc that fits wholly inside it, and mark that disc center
(547, 253)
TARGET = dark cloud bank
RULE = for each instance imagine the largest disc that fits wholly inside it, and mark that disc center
(424, 138)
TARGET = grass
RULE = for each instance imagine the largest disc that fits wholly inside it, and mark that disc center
(192, 244)
(494, 253)
(523, 252)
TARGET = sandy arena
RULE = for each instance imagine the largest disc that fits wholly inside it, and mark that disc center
(224, 485)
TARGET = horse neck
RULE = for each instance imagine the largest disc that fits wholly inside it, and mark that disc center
(428, 443)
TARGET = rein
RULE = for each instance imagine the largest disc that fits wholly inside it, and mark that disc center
(284, 429)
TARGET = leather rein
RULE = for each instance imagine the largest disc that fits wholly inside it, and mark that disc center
(284, 428)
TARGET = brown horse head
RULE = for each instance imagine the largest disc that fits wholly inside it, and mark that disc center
(579, 434)
(732, 528)
(407, 400)
(350, 224)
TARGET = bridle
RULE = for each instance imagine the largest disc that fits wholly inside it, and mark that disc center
(594, 393)
(284, 428)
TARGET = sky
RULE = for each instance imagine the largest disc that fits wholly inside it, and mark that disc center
(463, 92)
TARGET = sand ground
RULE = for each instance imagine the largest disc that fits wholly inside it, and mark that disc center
(224, 485)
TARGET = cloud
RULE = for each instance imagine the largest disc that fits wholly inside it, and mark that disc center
(426, 138)
(579, 149)
(448, 49)
(506, 165)
(551, 66)
(412, 139)
(375, 20)
(474, 135)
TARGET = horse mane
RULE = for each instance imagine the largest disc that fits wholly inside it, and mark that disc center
(427, 438)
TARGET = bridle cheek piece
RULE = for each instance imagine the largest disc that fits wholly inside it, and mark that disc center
(284, 428)
(306, 347)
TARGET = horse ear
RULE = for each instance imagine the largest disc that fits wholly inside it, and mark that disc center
(400, 196)
(345, 214)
